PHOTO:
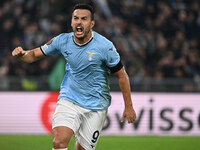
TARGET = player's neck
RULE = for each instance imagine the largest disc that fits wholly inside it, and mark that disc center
(84, 41)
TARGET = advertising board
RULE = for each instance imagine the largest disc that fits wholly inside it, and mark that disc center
(171, 114)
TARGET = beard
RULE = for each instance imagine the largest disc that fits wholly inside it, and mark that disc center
(84, 34)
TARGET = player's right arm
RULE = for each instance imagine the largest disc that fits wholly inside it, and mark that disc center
(28, 56)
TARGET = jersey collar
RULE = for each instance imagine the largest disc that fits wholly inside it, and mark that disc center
(85, 42)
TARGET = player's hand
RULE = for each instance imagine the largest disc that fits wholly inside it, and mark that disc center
(130, 114)
(18, 52)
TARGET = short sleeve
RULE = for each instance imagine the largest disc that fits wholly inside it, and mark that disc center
(51, 47)
(113, 57)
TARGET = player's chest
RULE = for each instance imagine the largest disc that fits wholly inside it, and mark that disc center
(77, 56)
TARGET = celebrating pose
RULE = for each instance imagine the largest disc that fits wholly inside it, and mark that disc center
(84, 93)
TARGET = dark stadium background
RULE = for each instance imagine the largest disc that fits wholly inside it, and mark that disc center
(158, 41)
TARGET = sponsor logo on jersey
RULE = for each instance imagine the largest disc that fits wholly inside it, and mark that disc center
(110, 49)
(67, 53)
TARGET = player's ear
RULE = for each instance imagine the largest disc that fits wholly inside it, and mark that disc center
(92, 23)
(72, 24)
(72, 19)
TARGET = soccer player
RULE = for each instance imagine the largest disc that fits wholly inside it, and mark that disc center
(84, 94)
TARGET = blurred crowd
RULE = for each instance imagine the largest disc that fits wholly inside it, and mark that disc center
(155, 38)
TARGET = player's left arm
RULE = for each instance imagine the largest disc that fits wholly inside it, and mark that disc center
(124, 84)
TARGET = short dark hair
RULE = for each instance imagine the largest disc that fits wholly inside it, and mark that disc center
(85, 6)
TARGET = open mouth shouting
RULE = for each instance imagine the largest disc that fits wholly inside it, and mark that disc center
(79, 30)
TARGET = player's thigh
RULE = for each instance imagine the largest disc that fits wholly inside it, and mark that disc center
(89, 132)
(65, 123)
(66, 115)
(62, 135)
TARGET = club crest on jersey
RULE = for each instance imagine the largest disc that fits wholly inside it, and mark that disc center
(90, 55)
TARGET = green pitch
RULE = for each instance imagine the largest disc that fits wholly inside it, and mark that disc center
(44, 142)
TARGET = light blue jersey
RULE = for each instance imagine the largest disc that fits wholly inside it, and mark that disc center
(86, 79)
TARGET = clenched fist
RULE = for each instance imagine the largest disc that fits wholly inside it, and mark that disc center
(18, 52)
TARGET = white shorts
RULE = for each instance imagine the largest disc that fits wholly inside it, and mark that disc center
(86, 124)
